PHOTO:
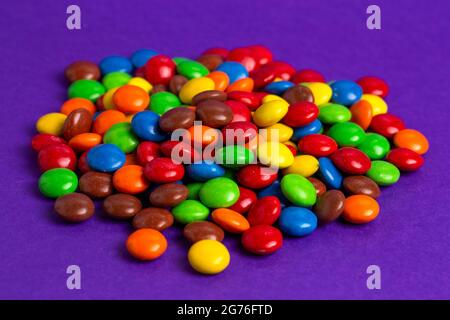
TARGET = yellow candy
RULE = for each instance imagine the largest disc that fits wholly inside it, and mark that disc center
(194, 87)
(321, 91)
(51, 123)
(379, 106)
(270, 113)
(208, 256)
(304, 165)
(275, 154)
(141, 83)
(108, 99)
(272, 97)
(279, 132)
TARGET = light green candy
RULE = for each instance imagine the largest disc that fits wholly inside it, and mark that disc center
(122, 136)
(383, 173)
(189, 211)
(163, 101)
(298, 190)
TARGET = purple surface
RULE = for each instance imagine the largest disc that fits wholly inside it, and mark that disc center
(410, 239)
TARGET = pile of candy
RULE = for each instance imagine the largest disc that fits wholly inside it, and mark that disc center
(232, 141)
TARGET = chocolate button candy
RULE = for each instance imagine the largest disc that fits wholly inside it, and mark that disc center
(214, 113)
(202, 230)
(329, 206)
(169, 195)
(298, 93)
(77, 122)
(122, 206)
(176, 83)
(177, 118)
(209, 95)
(319, 185)
(82, 70)
(74, 207)
(154, 218)
(210, 61)
(361, 185)
(96, 184)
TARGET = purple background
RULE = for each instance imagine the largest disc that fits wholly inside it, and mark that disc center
(410, 239)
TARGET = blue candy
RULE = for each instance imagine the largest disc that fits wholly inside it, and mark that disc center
(345, 92)
(140, 57)
(330, 174)
(274, 190)
(278, 87)
(115, 63)
(297, 221)
(234, 70)
(203, 171)
(145, 125)
(105, 158)
(313, 127)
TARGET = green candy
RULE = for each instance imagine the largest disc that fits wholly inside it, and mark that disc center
(178, 60)
(163, 101)
(192, 69)
(375, 146)
(194, 189)
(115, 79)
(234, 156)
(332, 113)
(189, 211)
(298, 190)
(57, 182)
(347, 134)
(383, 173)
(88, 89)
(122, 136)
(219, 193)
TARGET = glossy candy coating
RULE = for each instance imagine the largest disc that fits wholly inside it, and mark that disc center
(57, 156)
(164, 101)
(219, 193)
(320, 187)
(234, 156)
(130, 179)
(88, 89)
(360, 209)
(51, 123)
(329, 206)
(386, 124)
(262, 239)
(345, 92)
(140, 57)
(131, 99)
(322, 92)
(361, 113)
(234, 70)
(331, 113)
(159, 69)
(77, 103)
(106, 119)
(304, 165)
(114, 64)
(77, 122)
(146, 152)
(154, 218)
(256, 177)
(213, 113)
(297, 222)
(122, 206)
(163, 170)
(312, 128)
(146, 244)
(105, 158)
(122, 136)
(189, 211)
(270, 113)
(317, 145)
(405, 159)
(347, 134)
(361, 185)
(195, 86)
(265, 210)
(275, 154)
(329, 173)
(145, 125)
(298, 93)
(379, 106)
(298, 190)
(245, 201)
(42, 140)
(203, 171)
(168, 195)
(301, 114)
(202, 230)
(229, 220)
(58, 182)
(411, 139)
(383, 173)
(375, 146)
(74, 207)
(374, 85)
(192, 69)
(82, 70)
(208, 256)
(96, 184)
(351, 161)
(177, 118)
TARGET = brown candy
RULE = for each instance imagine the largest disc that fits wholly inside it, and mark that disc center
(202, 230)
(96, 184)
(177, 118)
(122, 206)
(168, 195)
(361, 185)
(176, 83)
(319, 185)
(329, 206)
(209, 95)
(74, 207)
(214, 114)
(298, 93)
(210, 61)
(159, 88)
(82, 70)
(154, 218)
(77, 122)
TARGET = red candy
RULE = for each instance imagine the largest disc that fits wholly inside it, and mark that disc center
(292, 149)
(387, 124)
(42, 140)
(163, 170)
(242, 131)
(83, 166)
(245, 57)
(351, 160)
(159, 70)
(248, 98)
(219, 51)
(264, 211)
(262, 239)
(146, 152)
(256, 177)
(57, 156)
(262, 54)
(374, 85)
(263, 76)
(240, 111)
(281, 69)
(300, 114)
(318, 145)
(185, 150)
(307, 75)
(405, 159)
(245, 201)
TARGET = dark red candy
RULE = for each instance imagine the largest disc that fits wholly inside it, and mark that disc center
(351, 160)
(163, 170)
(245, 201)
(240, 132)
(57, 156)
(184, 150)
(82, 164)
(282, 69)
(42, 140)
(263, 76)
(219, 51)
(265, 210)
(256, 177)
(262, 54)
(307, 75)
(140, 72)
(248, 98)
(262, 239)
(245, 57)
(292, 149)
(405, 159)
(159, 70)
(240, 111)
(146, 152)
(300, 114)
(386, 124)
(318, 145)
(373, 85)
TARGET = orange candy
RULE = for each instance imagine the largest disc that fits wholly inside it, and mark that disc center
(106, 120)
(202, 135)
(131, 99)
(130, 159)
(362, 113)
(77, 103)
(130, 179)
(411, 139)
(230, 220)
(146, 244)
(360, 209)
(245, 84)
(220, 79)
(85, 141)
